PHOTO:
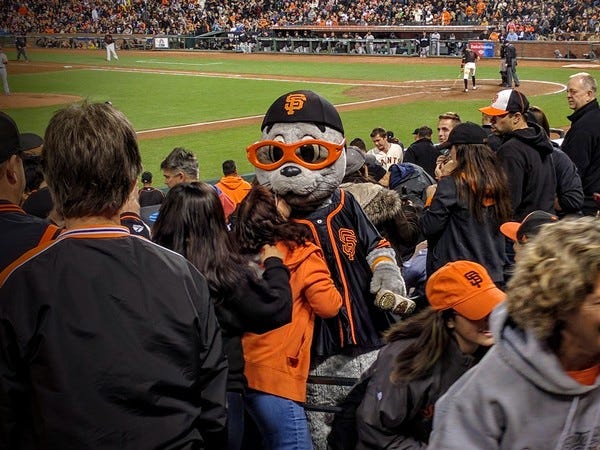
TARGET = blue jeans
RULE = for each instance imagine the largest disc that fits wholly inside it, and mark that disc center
(282, 422)
(235, 420)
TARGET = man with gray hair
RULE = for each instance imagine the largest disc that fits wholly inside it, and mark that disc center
(582, 141)
(181, 166)
(107, 340)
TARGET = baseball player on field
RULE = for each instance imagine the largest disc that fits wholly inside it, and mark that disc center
(470, 57)
(109, 42)
(3, 74)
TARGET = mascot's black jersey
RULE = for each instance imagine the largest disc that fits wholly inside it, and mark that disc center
(346, 236)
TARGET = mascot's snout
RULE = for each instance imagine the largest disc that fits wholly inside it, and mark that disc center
(291, 171)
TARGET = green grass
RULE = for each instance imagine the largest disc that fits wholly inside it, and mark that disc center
(155, 100)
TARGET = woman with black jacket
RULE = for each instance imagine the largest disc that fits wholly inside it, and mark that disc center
(462, 216)
(247, 298)
(425, 354)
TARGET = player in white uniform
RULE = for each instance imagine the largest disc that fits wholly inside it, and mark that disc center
(3, 73)
(470, 57)
(109, 42)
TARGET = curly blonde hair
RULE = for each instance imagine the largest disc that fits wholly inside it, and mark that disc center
(555, 272)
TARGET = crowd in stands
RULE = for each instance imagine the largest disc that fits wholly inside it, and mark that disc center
(529, 20)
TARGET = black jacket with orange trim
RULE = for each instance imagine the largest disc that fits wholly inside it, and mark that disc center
(21, 232)
(108, 340)
(347, 236)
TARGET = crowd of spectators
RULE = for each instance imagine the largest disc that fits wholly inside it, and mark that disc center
(562, 20)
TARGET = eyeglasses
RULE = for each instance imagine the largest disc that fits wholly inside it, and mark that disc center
(313, 154)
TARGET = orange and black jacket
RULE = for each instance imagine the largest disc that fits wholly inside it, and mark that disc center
(21, 232)
(347, 236)
(108, 340)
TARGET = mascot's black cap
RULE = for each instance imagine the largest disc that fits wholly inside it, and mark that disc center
(303, 106)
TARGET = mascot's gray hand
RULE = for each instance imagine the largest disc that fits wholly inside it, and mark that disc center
(387, 277)
(386, 273)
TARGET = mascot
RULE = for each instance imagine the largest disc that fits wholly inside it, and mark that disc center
(302, 159)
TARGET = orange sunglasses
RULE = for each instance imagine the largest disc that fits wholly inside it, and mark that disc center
(313, 154)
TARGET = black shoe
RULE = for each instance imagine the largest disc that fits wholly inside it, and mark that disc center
(517, 85)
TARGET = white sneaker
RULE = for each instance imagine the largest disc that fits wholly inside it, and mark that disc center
(466, 90)
(474, 87)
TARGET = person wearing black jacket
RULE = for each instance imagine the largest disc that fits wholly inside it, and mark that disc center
(569, 191)
(422, 152)
(582, 141)
(510, 55)
(525, 154)
(462, 215)
(191, 223)
(393, 403)
(20, 231)
(21, 46)
(106, 339)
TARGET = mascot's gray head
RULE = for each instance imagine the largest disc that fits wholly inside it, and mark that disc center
(304, 175)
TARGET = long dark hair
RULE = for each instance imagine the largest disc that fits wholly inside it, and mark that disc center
(259, 223)
(192, 223)
(480, 181)
(431, 336)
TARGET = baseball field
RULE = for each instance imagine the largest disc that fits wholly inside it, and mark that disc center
(212, 103)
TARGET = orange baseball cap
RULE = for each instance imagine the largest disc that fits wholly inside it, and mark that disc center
(522, 231)
(464, 286)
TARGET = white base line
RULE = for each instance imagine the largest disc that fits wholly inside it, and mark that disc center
(152, 61)
(239, 119)
(406, 84)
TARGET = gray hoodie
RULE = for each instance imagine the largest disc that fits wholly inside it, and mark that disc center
(518, 397)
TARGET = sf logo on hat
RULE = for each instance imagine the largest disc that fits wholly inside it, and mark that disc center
(294, 102)
(474, 278)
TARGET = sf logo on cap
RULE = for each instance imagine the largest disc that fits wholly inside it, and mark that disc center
(294, 102)
(474, 278)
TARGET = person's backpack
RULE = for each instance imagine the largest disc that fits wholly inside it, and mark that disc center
(410, 181)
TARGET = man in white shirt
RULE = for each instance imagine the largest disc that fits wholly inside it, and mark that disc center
(386, 152)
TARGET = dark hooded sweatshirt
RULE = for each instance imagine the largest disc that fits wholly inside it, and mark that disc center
(525, 156)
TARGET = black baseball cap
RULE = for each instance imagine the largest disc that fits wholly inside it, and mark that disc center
(146, 177)
(13, 142)
(303, 106)
(507, 101)
(529, 227)
(423, 131)
(465, 133)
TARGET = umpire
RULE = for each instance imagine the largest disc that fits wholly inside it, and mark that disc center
(21, 45)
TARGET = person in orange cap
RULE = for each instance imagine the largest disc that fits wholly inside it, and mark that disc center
(522, 232)
(424, 355)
